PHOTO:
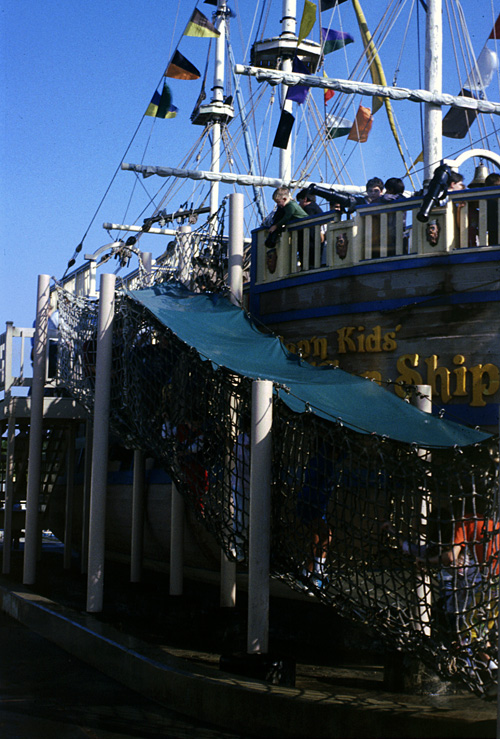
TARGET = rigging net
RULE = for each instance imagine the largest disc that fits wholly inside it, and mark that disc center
(360, 521)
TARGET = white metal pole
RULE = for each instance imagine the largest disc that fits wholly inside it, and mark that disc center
(422, 399)
(227, 566)
(9, 494)
(227, 582)
(70, 493)
(185, 253)
(36, 430)
(176, 543)
(260, 517)
(87, 478)
(498, 617)
(235, 257)
(433, 147)
(138, 499)
(95, 578)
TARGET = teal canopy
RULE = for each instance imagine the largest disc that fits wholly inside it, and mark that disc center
(224, 334)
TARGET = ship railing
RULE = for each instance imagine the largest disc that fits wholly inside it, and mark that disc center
(468, 219)
(16, 368)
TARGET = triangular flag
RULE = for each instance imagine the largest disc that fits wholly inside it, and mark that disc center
(199, 25)
(161, 105)
(362, 125)
(298, 93)
(333, 40)
(495, 34)
(329, 4)
(457, 121)
(337, 127)
(308, 20)
(182, 69)
(284, 130)
(328, 93)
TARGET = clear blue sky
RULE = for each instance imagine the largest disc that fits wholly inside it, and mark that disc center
(77, 78)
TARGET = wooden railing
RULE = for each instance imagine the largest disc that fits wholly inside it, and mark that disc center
(380, 232)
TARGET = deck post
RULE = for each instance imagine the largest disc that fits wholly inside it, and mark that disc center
(235, 259)
(235, 256)
(260, 517)
(176, 543)
(9, 494)
(422, 399)
(36, 430)
(70, 495)
(137, 540)
(95, 578)
(87, 476)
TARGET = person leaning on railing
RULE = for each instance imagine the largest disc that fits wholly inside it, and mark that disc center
(288, 210)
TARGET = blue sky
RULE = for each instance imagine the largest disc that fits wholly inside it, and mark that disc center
(77, 78)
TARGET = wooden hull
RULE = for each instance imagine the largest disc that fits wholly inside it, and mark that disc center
(419, 319)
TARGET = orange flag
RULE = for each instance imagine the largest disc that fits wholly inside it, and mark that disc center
(362, 125)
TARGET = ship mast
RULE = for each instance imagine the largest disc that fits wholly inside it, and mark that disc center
(433, 145)
(218, 97)
(288, 28)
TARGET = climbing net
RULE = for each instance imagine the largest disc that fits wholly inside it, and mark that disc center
(196, 259)
(402, 539)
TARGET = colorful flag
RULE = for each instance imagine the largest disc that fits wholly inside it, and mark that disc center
(182, 69)
(284, 130)
(161, 105)
(337, 127)
(298, 93)
(333, 40)
(308, 20)
(199, 25)
(361, 126)
(329, 4)
(457, 121)
(495, 34)
(328, 93)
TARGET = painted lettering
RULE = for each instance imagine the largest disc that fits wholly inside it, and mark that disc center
(434, 372)
(407, 375)
(479, 388)
(345, 342)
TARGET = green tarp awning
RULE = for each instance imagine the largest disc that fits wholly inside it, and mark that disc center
(223, 333)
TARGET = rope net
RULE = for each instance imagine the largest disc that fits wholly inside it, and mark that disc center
(398, 538)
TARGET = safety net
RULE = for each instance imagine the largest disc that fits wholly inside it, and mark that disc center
(380, 511)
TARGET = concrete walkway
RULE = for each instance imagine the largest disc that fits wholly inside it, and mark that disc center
(324, 703)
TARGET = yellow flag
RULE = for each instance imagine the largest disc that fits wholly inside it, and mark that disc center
(308, 20)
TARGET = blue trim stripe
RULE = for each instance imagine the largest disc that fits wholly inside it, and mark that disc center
(382, 305)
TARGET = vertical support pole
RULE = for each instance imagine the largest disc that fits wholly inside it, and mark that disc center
(227, 582)
(185, 253)
(95, 579)
(147, 263)
(235, 257)
(70, 494)
(422, 399)
(260, 517)
(36, 430)
(498, 617)
(9, 494)
(87, 477)
(138, 490)
(228, 568)
(176, 543)
(8, 379)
